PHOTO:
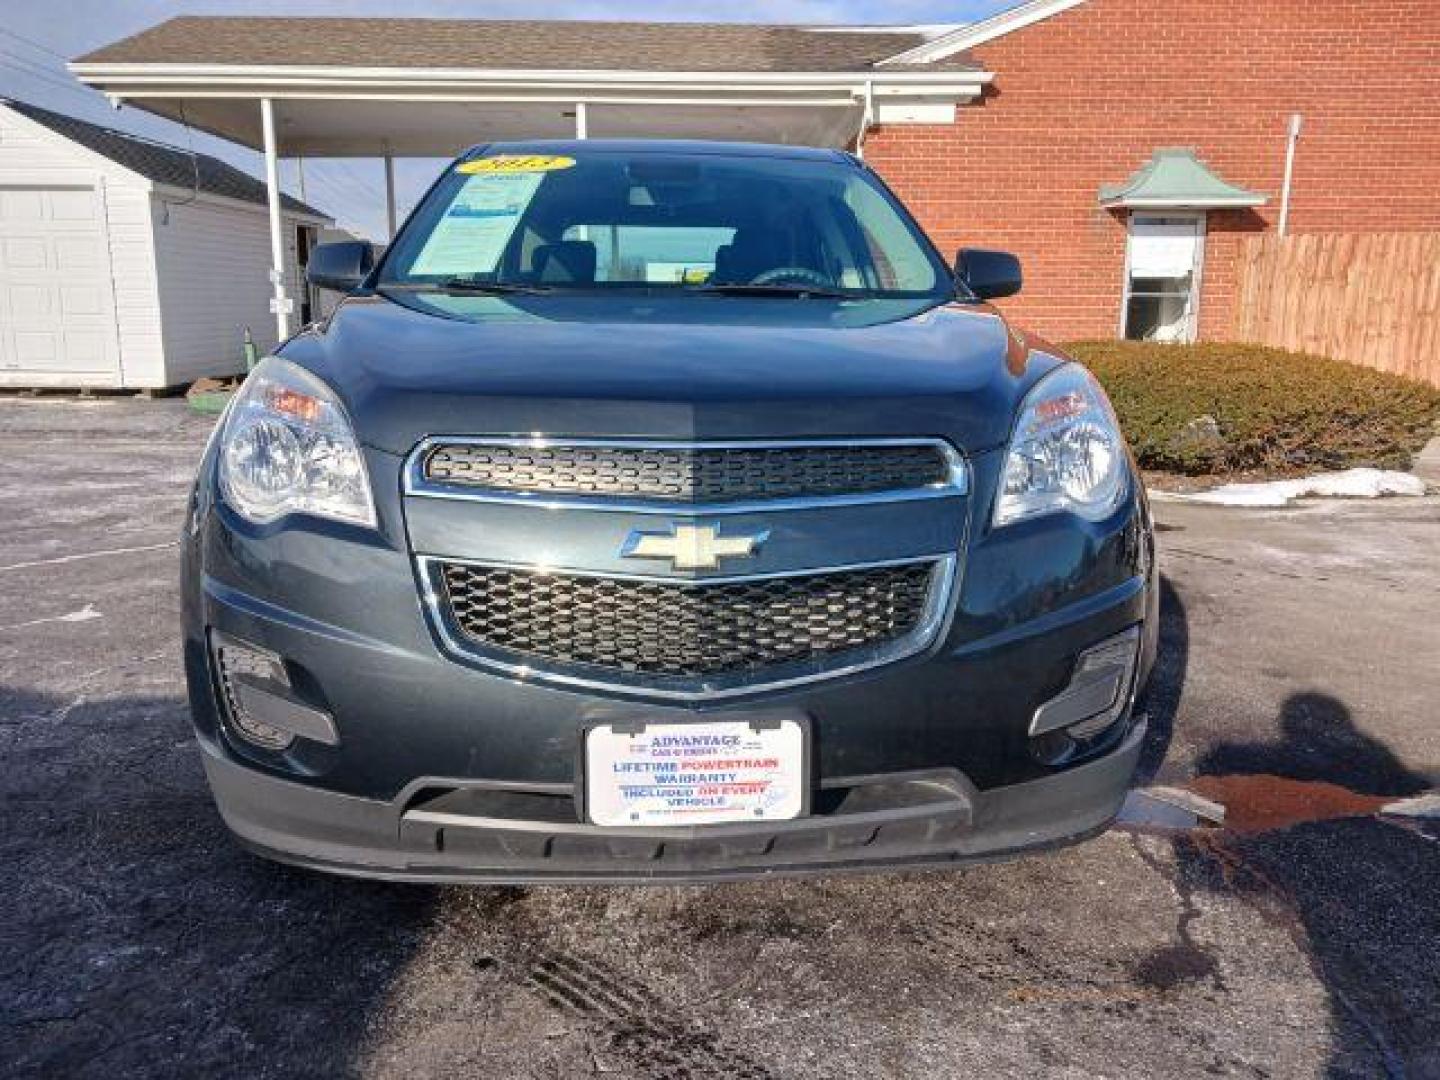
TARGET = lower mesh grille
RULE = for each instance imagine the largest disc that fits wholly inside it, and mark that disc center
(233, 659)
(682, 629)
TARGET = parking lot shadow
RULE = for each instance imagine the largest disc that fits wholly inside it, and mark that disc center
(140, 940)
(1359, 891)
(1318, 742)
(1161, 699)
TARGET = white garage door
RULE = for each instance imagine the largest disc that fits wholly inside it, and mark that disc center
(57, 323)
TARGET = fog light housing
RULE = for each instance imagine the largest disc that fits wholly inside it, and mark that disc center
(1098, 691)
(235, 660)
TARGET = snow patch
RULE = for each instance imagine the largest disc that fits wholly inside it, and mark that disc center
(1350, 484)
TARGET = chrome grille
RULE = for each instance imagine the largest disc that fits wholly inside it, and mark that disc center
(695, 475)
(682, 628)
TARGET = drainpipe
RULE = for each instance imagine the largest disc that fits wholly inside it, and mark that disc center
(866, 119)
(1296, 121)
(280, 304)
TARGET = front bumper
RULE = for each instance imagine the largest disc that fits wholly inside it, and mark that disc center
(483, 833)
(436, 770)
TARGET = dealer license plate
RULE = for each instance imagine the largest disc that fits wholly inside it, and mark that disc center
(694, 774)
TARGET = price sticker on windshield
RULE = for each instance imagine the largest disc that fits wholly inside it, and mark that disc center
(514, 163)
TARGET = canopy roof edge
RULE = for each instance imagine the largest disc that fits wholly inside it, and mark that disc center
(1176, 178)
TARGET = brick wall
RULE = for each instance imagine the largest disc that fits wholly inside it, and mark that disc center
(1086, 96)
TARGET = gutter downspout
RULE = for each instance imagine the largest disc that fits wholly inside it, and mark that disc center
(1296, 122)
(867, 118)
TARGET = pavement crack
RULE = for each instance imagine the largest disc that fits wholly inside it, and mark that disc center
(60, 559)
(1170, 966)
(1245, 567)
(85, 614)
(55, 715)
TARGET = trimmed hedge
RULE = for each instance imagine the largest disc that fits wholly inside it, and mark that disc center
(1219, 408)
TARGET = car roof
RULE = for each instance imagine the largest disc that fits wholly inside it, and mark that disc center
(671, 147)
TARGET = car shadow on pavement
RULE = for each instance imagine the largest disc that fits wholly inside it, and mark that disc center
(141, 940)
(1358, 892)
(1161, 699)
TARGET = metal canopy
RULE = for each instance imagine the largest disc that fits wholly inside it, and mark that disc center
(1175, 178)
(363, 112)
(420, 88)
(415, 124)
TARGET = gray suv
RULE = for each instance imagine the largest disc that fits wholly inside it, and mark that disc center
(658, 511)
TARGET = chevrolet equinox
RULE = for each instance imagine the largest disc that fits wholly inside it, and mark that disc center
(665, 511)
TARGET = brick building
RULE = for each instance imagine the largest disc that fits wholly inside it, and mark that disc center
(1088, 92)
(1121, 147)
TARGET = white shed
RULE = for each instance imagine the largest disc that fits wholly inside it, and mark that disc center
(126, 263)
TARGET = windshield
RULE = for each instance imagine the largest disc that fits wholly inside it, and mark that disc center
(686, 222)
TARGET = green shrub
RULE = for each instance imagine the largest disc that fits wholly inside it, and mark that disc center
(1219, 408)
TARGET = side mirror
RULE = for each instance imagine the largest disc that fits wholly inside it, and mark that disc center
(342, 266)
(988, 274)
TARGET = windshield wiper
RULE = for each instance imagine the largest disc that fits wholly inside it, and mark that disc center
(798, 291)
(467, 285)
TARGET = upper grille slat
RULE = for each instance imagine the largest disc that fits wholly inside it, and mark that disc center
(697, 475)
(686, 629)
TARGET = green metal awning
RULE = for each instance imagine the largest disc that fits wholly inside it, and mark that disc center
(1176, 179)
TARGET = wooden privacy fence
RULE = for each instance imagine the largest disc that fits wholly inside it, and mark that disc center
(1371, 298)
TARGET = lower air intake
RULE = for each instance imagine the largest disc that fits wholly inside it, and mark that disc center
(687, 629)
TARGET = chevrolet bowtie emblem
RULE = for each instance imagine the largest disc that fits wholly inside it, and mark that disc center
(691, 547)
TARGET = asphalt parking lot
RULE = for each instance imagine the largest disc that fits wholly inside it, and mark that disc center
(1298, 686)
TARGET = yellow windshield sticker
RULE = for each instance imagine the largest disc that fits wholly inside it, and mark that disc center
(514, 163)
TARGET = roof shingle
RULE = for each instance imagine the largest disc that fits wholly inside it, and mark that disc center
(510, 45)
(158, 162)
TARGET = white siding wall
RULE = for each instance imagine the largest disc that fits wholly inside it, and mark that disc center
(137, 300)
(32, 155)
(214, 273)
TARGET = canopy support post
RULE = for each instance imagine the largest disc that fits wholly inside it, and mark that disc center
(390, 192)
(582, 121)
(280, 304)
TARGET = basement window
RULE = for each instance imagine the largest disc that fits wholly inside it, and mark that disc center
(1163, 260)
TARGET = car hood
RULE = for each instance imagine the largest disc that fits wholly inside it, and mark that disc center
(693, 367)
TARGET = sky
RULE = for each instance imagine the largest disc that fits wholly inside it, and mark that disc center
(38, 36)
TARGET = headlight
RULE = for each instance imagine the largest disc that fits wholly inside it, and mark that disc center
(1066, 453)
(288, 448)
